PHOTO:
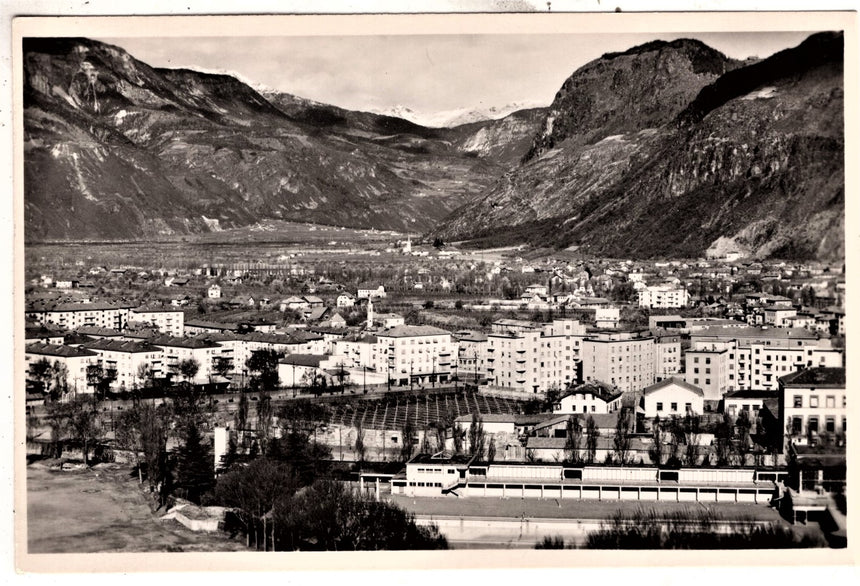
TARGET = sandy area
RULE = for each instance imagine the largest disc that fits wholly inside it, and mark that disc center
(103, 510)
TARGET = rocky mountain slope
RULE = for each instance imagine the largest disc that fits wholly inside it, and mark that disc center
(115, 149)
(666, 148)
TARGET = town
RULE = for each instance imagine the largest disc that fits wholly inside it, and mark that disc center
(440, 378)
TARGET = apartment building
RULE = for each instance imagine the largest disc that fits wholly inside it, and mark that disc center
(668, 355)
(708, 367)
(72, 316)
(756, 357)
(534, 358)
(625, 359)
(416, 354)
(814, 402)
(167, 321)
(126, 360)
(176, 350)
(73, 361)
(663, 296)
(471, 356)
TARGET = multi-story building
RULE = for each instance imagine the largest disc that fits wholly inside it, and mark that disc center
(667, 354)
(203, 351)
(126, 361)
(814, 402)
(73, 360)
(416, 354)
(471, 356)
(758, 357)
(708, 367)
(368, 291)
(167, 321)
(534, 358)
(72, 316)
(663, 296)
(625, 359)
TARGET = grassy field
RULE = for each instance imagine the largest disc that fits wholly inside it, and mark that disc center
(103, 510)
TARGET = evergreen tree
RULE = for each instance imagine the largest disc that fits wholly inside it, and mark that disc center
(194, 466)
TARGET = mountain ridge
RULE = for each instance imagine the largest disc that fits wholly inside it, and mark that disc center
(761, 167)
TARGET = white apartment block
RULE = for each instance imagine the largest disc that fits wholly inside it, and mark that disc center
(417, 354)
(535, 360)
(74, 360)
(668, 358)
(124, 359)
(626, 360)
(166, 321)
(72, 316)
(176, 350)
(371, 291)
(754, 358)
(663, 296)
(471, 356)
(362, 352)
(708, 367)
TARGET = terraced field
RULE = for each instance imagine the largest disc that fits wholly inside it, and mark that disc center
(393, 412)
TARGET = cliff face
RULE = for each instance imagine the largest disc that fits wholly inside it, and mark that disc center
(755, 156)
(117, 149)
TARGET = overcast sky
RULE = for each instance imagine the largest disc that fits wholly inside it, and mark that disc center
(427, 73)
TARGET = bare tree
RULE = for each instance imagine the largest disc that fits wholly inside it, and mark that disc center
(359, 442)
(573, 435)
(265, 417)
(743, 424)
(622, 439)
(477, 438)
(591, 435)
(656, 451)
(458, 438)
(691, 428)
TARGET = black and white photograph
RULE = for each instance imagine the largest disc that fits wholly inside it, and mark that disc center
(432, 282)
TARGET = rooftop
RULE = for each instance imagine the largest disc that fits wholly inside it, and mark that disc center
(751, 394)
(129, 346)
(312, 360)
(410, 331)
(673, 381)
(57, 350)
(818, 377)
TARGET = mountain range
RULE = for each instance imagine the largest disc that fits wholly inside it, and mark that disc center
(661, 150)
(668, 149)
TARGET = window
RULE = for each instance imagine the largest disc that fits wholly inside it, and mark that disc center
(796, 425)
(696, 370)
(707, 381)
(813, 401)
(830, 402)
(707, 360)
(659, 406)
(674, 406)
(696, 359)
(798, 401)
(830, 424)
(812, 425)
(688, 407)
(707, 371)
(695, 381)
